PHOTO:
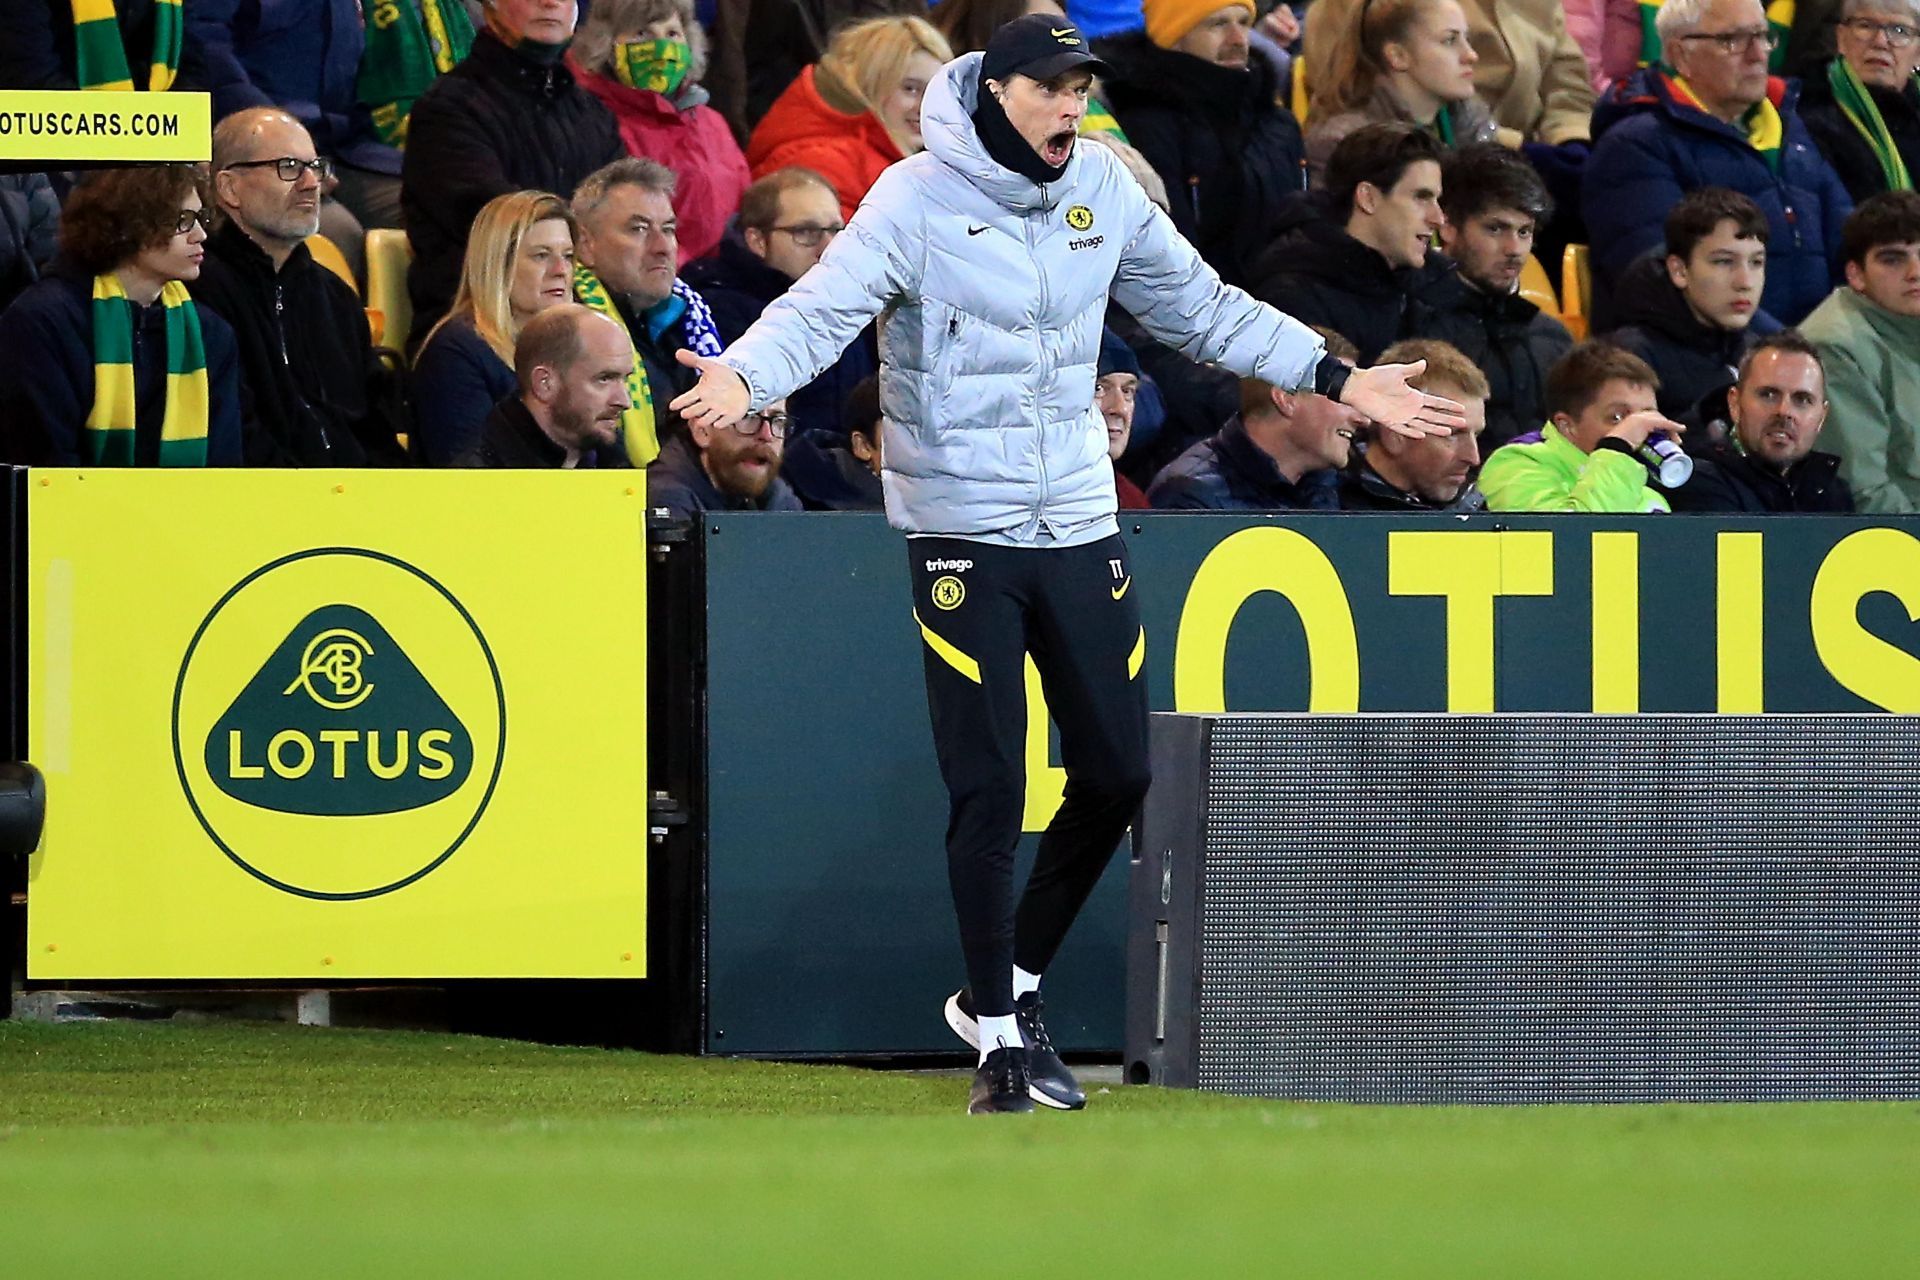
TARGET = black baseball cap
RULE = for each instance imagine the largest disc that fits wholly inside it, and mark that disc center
(1040, 46)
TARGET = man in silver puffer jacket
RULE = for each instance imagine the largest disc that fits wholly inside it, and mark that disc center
(992, 255)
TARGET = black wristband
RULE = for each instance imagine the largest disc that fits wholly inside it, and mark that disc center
(1618, 445)
(1330, 376)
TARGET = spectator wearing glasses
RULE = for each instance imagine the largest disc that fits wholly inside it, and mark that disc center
(787, 220)
(303, 56)
(109, 361)
(1863, 107)
(731, 468)
(1712, 116)
(645, 59)
(570, 371)
(311, 378)
(519, 263)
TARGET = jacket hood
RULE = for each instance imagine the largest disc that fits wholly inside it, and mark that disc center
(1648, 89)
(946, 126)
(1145, 73)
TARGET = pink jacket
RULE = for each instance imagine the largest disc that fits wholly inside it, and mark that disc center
(695, 143)
(1608, 32)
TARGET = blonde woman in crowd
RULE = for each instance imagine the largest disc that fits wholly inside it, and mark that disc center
(857, 110)
(519, 262)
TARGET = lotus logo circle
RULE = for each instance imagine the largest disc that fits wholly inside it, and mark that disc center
(339, 724)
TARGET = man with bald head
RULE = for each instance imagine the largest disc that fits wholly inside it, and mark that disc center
(571, 364)
(313, 387)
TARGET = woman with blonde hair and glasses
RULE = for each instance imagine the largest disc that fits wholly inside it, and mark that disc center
(855, 111)
(645, 59)
(519, 262)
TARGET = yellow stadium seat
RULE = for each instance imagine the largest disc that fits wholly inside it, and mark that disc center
(1300, 90)
(327, 254)
(388, 254)
(1536, 288)
(1576, 291)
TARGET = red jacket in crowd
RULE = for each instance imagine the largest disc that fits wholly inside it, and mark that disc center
(694, 142)
(801, 129)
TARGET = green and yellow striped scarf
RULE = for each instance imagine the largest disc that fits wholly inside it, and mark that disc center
(1779, 21)
(108, 439)
(638, 431)
(1766, 129)
(1850, 94)
(101, 57)
(408, 47)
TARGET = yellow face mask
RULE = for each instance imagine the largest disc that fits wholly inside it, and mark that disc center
(657, 65)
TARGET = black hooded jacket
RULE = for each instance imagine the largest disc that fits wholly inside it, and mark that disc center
(498, 122)
(1693, 359)
(1318, 274)
(1512, 341)
(1228, 152)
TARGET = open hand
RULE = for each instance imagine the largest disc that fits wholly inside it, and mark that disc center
(719, 399)
(1383, 395)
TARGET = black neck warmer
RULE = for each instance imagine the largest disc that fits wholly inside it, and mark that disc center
(1004, 143)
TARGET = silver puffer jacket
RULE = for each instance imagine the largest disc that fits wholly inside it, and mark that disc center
(993, 289)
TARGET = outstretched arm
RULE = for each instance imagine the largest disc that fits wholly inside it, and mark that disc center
(1385, 395)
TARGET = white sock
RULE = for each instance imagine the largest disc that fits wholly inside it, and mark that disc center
(1023, 982)
(998, 1033)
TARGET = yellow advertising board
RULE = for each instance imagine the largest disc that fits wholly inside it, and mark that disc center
(74, 126)
(338, 725)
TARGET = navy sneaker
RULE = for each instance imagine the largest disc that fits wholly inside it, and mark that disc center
(1049, 1081)
(1000, 1085)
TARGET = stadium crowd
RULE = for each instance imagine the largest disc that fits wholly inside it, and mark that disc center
(588, 187)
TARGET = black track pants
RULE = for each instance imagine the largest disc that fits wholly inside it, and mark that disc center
(981, 609)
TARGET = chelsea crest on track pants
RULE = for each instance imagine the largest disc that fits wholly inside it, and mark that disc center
(981, 608)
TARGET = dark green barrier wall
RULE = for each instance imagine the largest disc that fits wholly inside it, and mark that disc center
(830, 930)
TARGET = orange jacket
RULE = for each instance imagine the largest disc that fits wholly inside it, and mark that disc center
(801, 129)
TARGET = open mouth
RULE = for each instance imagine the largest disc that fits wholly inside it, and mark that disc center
(1057, 148)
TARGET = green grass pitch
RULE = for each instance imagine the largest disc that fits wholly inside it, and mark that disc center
(155, 1150)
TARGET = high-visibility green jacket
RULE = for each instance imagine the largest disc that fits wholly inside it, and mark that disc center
(1547, 472)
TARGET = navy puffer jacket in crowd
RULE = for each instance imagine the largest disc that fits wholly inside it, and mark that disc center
(1650, 149)
(1229, 154)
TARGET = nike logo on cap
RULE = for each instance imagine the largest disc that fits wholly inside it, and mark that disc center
(974, 231)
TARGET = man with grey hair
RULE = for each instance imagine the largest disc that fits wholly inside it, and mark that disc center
(1863, 106)
(312, 386)
(1710, 115)
(626, 254)
(570, 365)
